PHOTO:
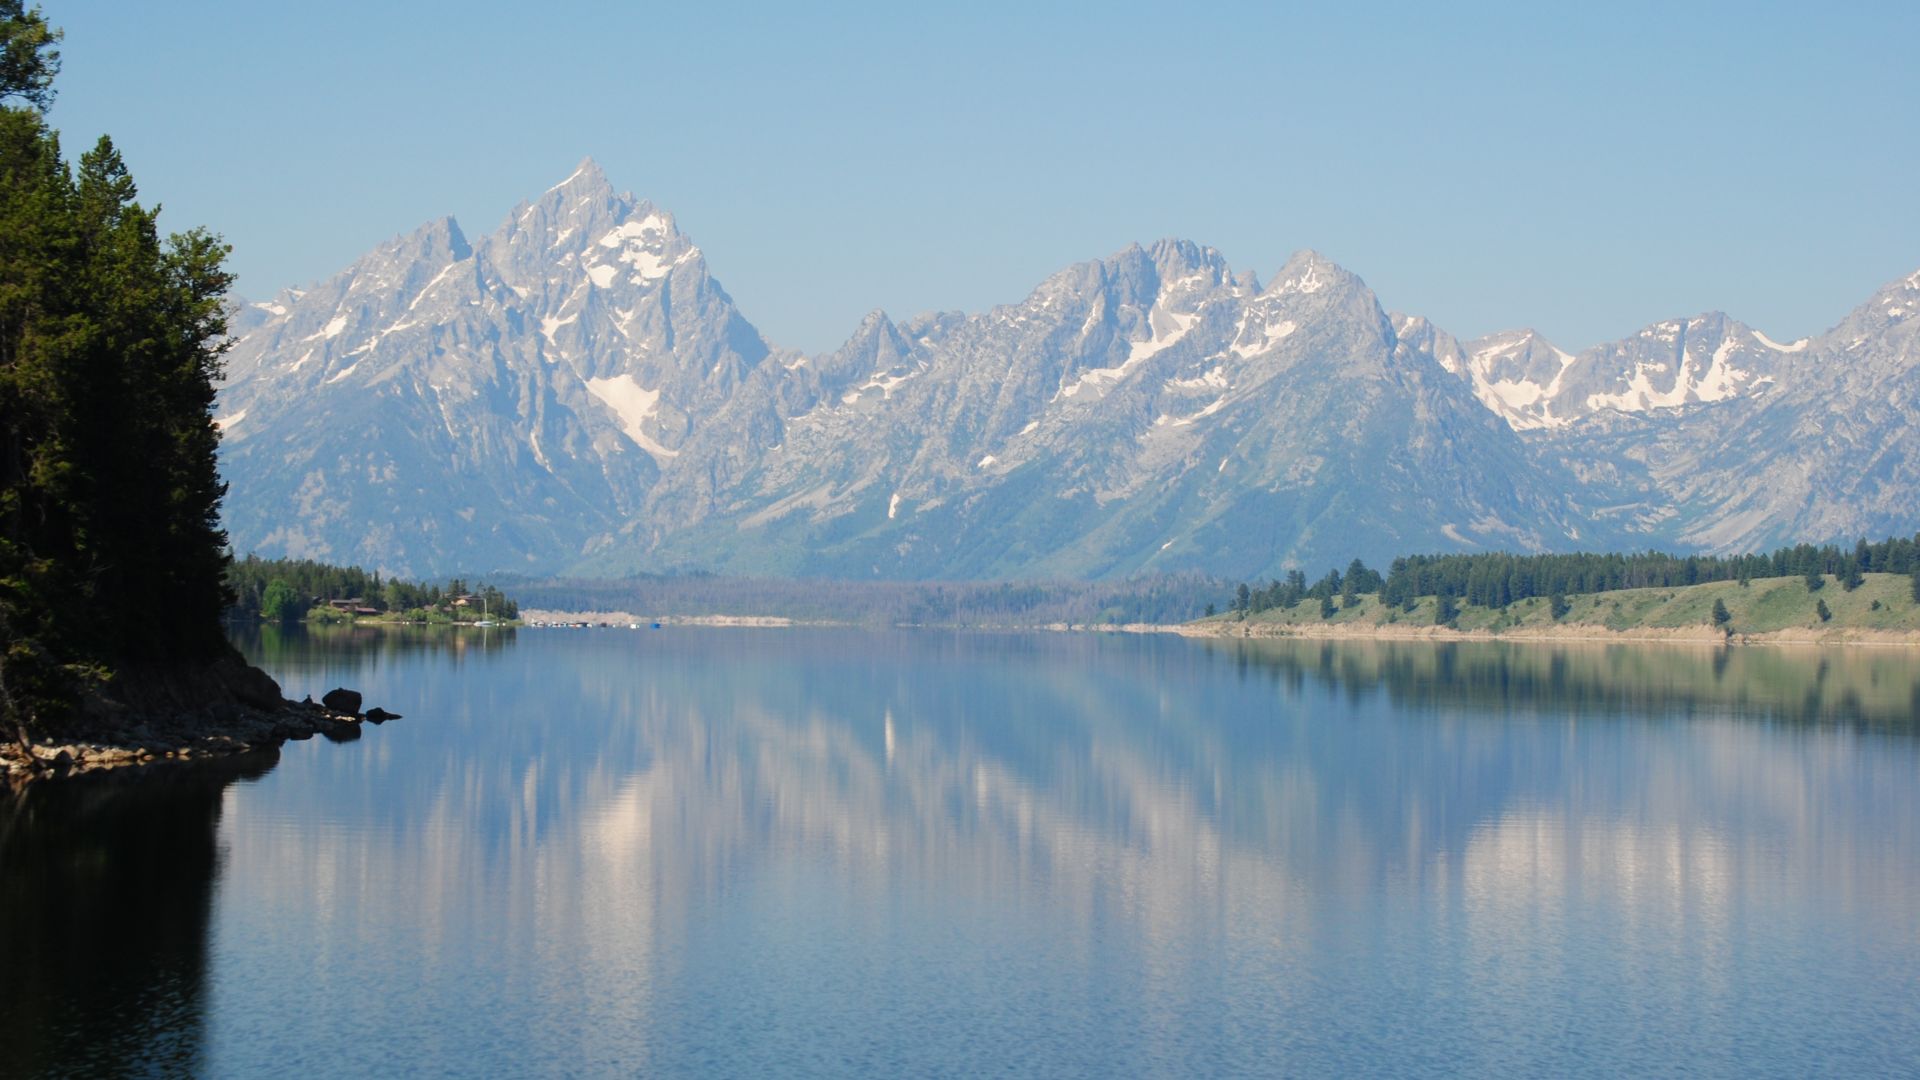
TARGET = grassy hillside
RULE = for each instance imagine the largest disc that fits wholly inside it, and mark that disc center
(1883, 602)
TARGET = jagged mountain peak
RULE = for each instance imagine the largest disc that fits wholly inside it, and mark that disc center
(873, 324)
(584, 210)
(1517, 337)
(1137, 277)
(1308, 272)
(875, 346)
(575, 391)
(1896, 303)
(1177, 259)
(587, 180)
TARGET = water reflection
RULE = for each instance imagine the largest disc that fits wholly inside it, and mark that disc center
(830, 852)
(289, 648)
(1867, 687)
(1092, 852)
(106, 885)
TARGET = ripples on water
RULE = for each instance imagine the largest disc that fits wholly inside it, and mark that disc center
(794, 851)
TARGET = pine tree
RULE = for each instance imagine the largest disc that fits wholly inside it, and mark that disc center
(1558, 607)
(28, 59)
(1445, 611)
(111, 556)
(1721, 616)
(1820, 608)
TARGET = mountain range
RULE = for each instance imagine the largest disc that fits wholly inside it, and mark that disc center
(575, 393)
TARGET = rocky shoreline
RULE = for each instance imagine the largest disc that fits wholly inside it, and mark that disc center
(154, 718)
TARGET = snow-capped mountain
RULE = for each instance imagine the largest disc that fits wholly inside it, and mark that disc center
(1829, 450)
(1149, 411)
(575, 392)
(1531, 383)
(499, 404)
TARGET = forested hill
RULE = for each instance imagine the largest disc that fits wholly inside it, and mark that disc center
(1496, 580)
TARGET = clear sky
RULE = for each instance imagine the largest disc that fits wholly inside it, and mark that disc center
(1583, 172)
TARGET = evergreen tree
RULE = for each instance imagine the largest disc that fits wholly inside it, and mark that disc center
(1362, 580)
(1916, 585)
(1721, 616)
(1326, 607)
(111, 555)
(1294, 589)
(1814, 580)
(1446, 611)
(28, 59)
(1820, 608)
(1558, 607)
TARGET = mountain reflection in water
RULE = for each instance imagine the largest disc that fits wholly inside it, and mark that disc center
(802, 851)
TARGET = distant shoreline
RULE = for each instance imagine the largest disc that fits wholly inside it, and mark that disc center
(1228, 628)
(1565, 632)
(624, 619)
(1879, 611)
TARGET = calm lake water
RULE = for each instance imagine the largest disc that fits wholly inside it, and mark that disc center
(758, 852)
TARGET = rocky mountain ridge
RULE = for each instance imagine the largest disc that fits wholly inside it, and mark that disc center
(574, 392)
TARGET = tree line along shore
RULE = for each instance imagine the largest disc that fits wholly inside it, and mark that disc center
(289, 591)
(1881, 607)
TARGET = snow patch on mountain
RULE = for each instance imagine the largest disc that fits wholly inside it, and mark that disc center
(1518, 376)
(1271, 334)
(634, 405)
(1168, 328)
(332, 330)
(1776, 346)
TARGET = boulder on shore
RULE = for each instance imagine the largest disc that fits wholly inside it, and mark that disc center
(380, 716)
(340, 699)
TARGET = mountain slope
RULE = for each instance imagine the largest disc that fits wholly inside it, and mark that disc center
(1831, 451)
(494, 405)
(575, 392)
(1146, 412)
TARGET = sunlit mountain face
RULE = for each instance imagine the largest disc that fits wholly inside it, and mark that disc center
(576, 392)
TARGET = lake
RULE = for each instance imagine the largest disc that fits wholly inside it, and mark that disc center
(798, 851)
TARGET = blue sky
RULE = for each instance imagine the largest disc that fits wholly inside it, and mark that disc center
(1582, 172)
